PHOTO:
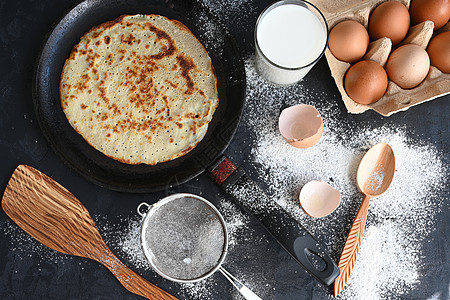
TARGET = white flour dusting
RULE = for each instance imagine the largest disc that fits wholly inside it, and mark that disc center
(389, 261)
(232, 11)
(389, 264)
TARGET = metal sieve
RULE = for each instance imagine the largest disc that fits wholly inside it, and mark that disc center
(185, 239)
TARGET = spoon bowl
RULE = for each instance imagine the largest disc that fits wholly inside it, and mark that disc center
(376, 170)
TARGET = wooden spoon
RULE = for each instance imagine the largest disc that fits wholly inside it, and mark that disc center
(53, 216)
(374, 176)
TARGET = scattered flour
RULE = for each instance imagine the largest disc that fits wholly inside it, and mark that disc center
(389, 261)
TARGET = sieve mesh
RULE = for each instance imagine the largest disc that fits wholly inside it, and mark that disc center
(184, 238)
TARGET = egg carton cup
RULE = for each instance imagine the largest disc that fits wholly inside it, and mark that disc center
(395, 99)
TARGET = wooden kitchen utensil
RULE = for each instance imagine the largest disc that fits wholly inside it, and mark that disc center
(374, 176)
(53, 216)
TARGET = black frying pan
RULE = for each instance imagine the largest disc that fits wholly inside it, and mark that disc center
(106, 172)
(92, 164)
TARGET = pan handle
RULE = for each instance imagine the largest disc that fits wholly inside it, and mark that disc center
(298, 242)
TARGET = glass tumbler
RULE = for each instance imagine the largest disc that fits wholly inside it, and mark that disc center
(290, 37)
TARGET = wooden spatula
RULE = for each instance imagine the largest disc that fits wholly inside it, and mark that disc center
(53, 216)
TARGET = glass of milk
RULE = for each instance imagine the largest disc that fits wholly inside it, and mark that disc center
(290, 37)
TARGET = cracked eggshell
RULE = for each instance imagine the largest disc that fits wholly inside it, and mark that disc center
(301, 125)
(319, 199)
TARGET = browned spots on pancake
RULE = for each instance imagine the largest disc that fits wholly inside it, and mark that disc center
(83, 106)
(97, 43)
(192, 116)
(106, 25)
(105, 117)
(115, 109)
(74, 52)
(193, 128)
(91, 59)
(139, 78)
(147, 125)
(185, 151)
(107, 39)
(96, 34)
(186, 64)
(148, 137)
(82, 85)
(173, 85)
(127, 40)
(108, 135)
(103, 93)
(166, 50)
(179, 125)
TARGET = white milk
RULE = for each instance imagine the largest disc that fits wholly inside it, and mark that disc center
(292, 37)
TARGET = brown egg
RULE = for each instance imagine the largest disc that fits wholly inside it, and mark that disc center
(366, 82)
(408, 66)
(348, 41)
(389, 19)
(439, 51)
(437, 11)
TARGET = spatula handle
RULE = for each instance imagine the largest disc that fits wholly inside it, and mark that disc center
(351, 246)
(132, 281)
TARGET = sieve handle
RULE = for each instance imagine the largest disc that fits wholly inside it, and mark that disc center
(245, 291)
(142, 205)
(290, 234)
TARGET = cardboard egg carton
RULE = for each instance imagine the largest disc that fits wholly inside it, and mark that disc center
(395, 99)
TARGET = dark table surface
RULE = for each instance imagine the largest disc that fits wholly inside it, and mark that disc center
(29, 271)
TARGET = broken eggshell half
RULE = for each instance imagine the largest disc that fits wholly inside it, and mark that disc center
(319, 199)
(301, 125)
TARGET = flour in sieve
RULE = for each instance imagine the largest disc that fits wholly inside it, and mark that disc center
(185, 238)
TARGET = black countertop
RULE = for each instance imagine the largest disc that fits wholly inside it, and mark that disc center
(31, 271)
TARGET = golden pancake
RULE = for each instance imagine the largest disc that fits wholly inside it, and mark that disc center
(140, 89)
